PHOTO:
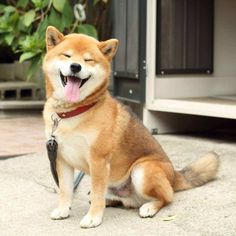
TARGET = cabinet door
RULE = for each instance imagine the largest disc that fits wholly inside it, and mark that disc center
(184, 36)
(129, 71)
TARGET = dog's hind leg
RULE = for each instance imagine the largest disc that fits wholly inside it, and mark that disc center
(151, 183)
(66, 177)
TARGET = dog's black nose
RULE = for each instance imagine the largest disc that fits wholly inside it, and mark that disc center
(75, 67)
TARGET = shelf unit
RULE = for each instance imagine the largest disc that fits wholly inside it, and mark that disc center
(196, 95)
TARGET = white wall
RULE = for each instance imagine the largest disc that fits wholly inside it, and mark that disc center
(223, 80)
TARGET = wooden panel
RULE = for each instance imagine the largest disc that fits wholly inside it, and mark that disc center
(120, 33)
(192, 34)
(178, 26)
(130, 62)
(164, 15)
(127, 89)
(132, 36)
(185, 36)
(206, 34)
(172, 34)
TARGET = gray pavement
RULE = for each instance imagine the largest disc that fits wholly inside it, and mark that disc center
(26, 198)
(21, 134)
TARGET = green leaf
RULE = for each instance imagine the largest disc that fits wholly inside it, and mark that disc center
(2, 7)
(22, 3)
(45, 3)
(9, 9)
(14, 17)
(59, 4)
(37, 3)
(87, 29)
(9, 39)
(67, 16)
(54, 19)
(34, 66)
(42, 27)
(32, 43)
(29, 18)
(95, 2)
(27, 55)
(5, 24)
(21, 26)
(40, 3)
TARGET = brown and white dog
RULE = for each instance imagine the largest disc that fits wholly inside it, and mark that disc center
(105, 140)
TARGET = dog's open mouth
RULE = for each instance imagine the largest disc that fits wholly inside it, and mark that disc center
(73, 79)
(72, 85)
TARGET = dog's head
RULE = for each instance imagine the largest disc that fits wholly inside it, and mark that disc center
(76, 65)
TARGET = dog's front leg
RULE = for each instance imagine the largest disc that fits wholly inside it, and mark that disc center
(66, 177)
(99, 171)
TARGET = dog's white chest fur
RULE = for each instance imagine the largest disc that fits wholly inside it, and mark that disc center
(74, 145)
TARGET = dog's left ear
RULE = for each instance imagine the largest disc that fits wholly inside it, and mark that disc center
(53, 37)
(109, 48)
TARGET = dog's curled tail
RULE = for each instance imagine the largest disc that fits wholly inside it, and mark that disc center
(197, 173)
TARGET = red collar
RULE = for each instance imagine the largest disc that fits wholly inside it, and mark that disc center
(77, 111)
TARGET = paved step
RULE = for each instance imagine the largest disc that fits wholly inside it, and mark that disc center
(19, 90)
(27, 105)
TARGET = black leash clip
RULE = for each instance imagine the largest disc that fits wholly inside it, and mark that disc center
(52, 147)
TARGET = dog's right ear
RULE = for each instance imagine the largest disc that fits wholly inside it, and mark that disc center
(53, 37)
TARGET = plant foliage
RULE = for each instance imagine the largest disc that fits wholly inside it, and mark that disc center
(23, 24)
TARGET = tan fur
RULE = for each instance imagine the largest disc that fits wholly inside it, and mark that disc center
(198, 173)
(125, 162)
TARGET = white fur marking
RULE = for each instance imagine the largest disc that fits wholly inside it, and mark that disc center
(148, 209)
(89, 221)
(76, 149)
(60, 213)
(137, 176)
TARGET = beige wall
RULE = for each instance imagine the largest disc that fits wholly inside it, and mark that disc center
(225, 47)
(223, 80)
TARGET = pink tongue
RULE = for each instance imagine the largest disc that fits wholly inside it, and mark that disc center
(72, 90)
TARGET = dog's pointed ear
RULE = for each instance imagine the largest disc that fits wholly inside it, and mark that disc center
(53, 37)
(109, 48)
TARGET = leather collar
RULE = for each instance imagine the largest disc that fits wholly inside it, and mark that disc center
(77, 111)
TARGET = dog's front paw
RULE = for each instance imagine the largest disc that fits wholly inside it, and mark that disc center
(60, 213)
(90, 221)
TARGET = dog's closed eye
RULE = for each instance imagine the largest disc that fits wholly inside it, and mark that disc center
(88, 59)
(66, 55)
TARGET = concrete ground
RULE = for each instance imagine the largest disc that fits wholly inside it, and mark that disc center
(27, 197)
(21, 135)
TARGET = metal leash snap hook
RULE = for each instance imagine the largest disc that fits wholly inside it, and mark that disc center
(56, 120)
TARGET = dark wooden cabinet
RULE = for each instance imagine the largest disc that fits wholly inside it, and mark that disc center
(184, 36)
(129, 67)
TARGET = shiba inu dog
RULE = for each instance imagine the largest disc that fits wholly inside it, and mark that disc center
(102, 138)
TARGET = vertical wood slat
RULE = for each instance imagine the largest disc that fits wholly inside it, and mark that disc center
(132, 36)
(206, 33)
(120, 33)
(185, 36)
(166, 17)
(178, 28)
(130, 29)
(191, 36)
